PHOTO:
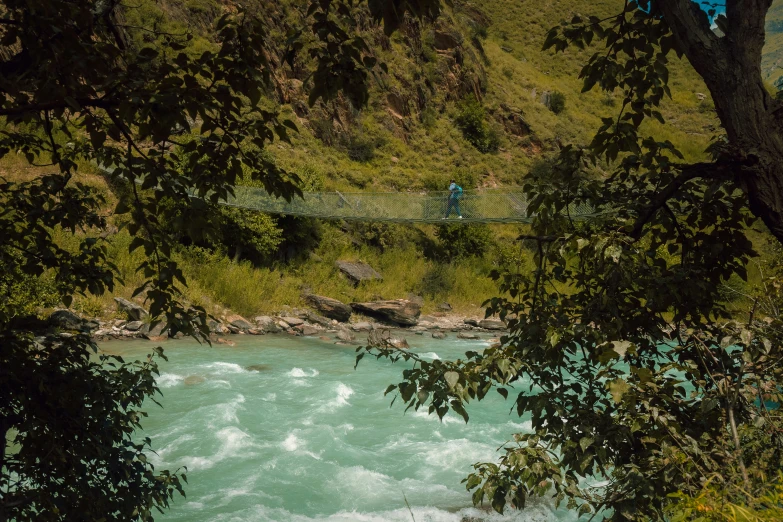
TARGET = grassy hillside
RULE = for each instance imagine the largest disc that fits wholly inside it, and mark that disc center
(482, 57)
(772, 59)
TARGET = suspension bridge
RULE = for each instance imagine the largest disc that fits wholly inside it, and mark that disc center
(502, 205)
(507, 205)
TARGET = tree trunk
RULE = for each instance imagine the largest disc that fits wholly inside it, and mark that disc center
(748, 113)
(731, 67)
(237, 253)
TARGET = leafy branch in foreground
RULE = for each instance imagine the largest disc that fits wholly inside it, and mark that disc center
(79, 88)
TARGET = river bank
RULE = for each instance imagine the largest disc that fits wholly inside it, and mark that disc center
(402, 317)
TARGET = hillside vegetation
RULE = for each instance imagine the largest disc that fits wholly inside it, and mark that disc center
(470, 97)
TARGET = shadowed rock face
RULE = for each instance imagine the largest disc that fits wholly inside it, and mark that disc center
(66, 320)
(358, 272)
(331, 308)
(400, 311)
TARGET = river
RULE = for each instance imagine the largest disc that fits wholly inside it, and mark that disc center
(309, 438)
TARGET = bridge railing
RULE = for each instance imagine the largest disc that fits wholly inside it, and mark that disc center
(480, 206)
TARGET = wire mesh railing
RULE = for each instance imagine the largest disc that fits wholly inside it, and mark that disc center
(488, 206)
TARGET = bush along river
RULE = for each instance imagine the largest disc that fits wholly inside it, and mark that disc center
(280, 428)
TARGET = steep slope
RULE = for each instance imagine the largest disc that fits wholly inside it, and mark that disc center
(482, 63)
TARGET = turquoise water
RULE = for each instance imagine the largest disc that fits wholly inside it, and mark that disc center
(310, 438)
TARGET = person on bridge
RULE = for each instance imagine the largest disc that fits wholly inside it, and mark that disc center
(454, 197)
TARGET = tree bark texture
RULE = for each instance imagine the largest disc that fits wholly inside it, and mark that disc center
(730, 65)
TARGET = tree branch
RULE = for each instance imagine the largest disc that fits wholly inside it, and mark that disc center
(715, 171)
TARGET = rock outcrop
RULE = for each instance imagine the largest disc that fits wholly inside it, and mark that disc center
(267, 324)
(66, 320)
(237, 321)
(331, 308)
(383, 338)
(317, 319)
(292, 321)
(358, 272)
(400, 311)
(132, 310)
(492, 324)
(134, 326)
(305, 329)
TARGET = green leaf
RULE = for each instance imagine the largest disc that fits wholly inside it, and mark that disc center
(585, 442)
(617, 388)
(452, 378)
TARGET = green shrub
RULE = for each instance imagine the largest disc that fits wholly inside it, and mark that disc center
(471, 121)
(459, 241)
(557, 102)
(428, 117)
(437, 281)
(361, 147)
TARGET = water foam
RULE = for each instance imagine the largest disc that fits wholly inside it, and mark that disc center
(294, 444)
(299, 373)
(223, 368)
(458, 454)
(167, 380)
(344, 393)
(447, 419)
(430, 355)
(233, 443)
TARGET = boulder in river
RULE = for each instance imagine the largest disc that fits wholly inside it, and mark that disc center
(492, 324)
(237, 321)
(383, 338)
(258, 368)
(438, 335)
(220, 340)
(132, 310)
(467, 335)
(358, 272)
(471, 322)
(154, 329)
(190, 380)
(345, 335)
(400, 311)
(331, 308)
